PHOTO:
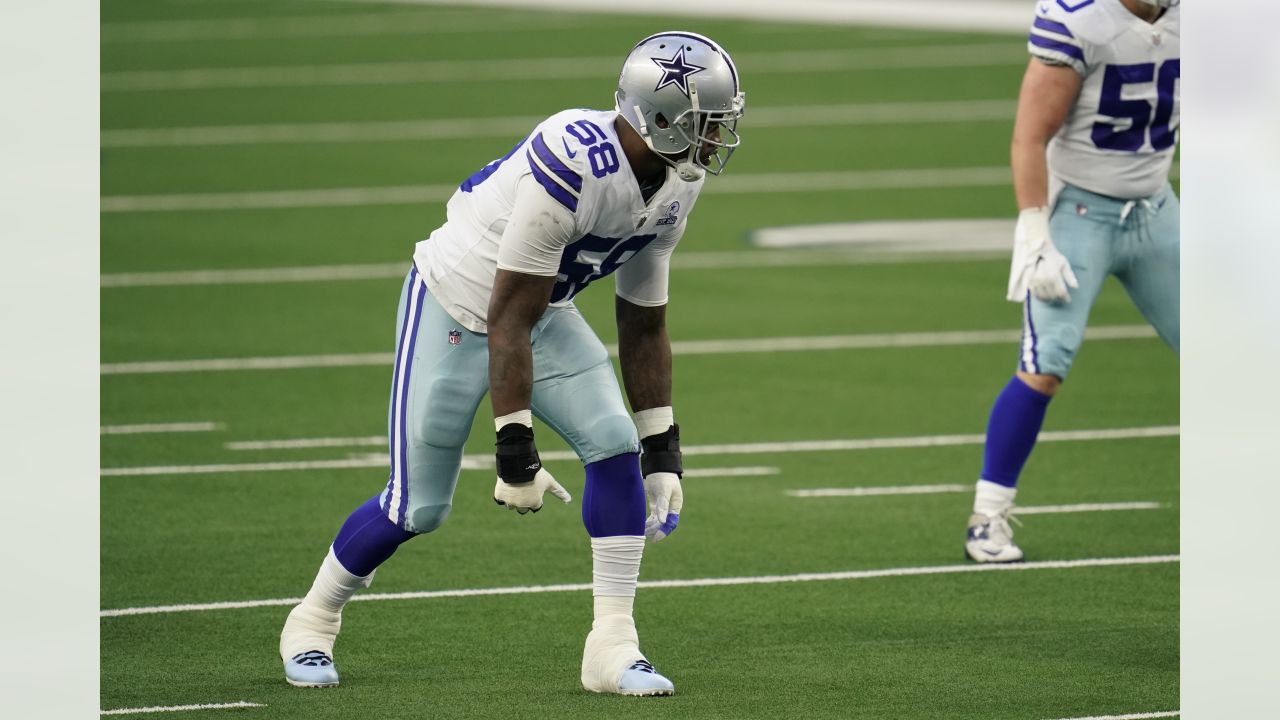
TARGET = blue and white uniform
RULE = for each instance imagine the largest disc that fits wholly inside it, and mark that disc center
(565, 203)
(1113, 210)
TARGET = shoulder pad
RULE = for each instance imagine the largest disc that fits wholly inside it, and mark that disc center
(1059, 32)
(556, 167)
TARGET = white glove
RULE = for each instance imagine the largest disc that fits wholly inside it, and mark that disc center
(1037, 265)
(666, 498)
(523, 497)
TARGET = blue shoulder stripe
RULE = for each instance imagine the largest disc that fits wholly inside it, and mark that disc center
(1065, 48)
(1053, 27)
(553, 188)
(548, 158)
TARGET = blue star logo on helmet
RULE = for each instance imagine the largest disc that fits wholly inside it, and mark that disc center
(676, 71)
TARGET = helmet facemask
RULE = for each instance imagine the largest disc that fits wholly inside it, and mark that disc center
(703, 129)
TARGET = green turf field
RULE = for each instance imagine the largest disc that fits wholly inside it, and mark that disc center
(222, 512)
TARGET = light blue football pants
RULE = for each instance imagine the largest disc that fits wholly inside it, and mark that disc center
(1136, 241)
(442, 374)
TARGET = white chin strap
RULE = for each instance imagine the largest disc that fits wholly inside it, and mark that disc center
(689, 172)
(688, 169)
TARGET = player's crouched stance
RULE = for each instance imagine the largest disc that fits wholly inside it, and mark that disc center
(487, 307)
(1090, 171)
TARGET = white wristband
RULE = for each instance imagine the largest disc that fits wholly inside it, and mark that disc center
(524, 417)
(654, 421)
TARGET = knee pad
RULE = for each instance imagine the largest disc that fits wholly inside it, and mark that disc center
(608, 437)
(426, 518)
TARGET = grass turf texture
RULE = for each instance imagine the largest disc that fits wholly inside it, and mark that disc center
(1029, 644)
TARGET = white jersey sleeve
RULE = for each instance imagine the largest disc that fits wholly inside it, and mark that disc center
(1118, 138)
(643, 279)
(537, 233)
(1053, 42)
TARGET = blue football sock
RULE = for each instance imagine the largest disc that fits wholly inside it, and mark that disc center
(1011, 432)
(613, 500)
(367, 539)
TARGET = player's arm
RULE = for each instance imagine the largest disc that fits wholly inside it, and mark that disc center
(1048, 93)
(644, 352)
(528, 259)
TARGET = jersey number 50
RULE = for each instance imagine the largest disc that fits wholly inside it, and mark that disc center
(1139, 112)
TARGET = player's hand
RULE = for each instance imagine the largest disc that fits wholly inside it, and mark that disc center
(1037, 265)
(526, 497)
(522, 481)
(666, 499)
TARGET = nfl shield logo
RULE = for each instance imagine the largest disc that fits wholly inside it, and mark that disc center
(455, 337)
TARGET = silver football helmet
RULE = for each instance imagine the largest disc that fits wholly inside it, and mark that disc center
(679, 90)
(1160, 3)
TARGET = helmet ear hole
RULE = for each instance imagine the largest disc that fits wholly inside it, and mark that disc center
(661, 121)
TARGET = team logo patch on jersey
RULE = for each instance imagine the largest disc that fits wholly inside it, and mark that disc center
(676, 71)
(455, 337)
(669, 218)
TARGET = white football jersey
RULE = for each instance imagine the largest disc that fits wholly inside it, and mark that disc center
(1119, 138)
(563, 202)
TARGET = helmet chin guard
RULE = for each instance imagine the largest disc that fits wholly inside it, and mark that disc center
(679, 91)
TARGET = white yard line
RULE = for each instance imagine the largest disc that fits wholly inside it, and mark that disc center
(229, 468)
(748, 184)
(697, 582)
(941, 489)
(1085, 507)
(256, 276)
(875, 491)
(693, 260)
(927, 441)
(159, 428)
(679, 347)
(924, 236)
(313, 26)
(183, 708)
(1129, 716)
(746, 471)
(478, 462)
(971, 15)
(954, 111)
(555, 68)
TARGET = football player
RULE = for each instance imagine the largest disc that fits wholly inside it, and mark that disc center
(488, 307)
(1093, 141)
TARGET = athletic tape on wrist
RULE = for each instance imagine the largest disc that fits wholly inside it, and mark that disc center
(661, 453)
(517, 457)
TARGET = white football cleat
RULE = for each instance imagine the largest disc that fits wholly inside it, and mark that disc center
(313, 668)
(612, 662)
(641, 679)
(306, 647)
(990, 539)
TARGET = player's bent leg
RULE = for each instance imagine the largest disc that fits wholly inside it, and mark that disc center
(576, 393)
(437, 385)
(1052, 333)
(613, 513)
(365, 541)
(1012, 429)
